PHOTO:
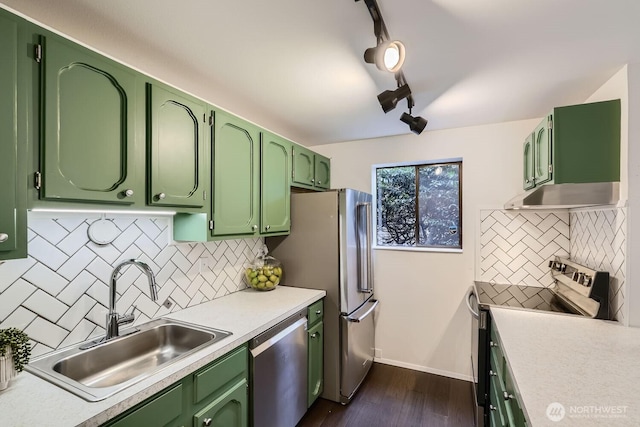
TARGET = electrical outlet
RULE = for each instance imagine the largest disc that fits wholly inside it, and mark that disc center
(205, 263)
(377, 353)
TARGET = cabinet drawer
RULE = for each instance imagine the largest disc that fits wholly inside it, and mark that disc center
(165, 410)
(315, 312)
(497, 408)
(212, 378)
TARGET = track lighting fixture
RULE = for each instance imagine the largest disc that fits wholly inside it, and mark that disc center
(389, 98)
(416, 124)
(388, 56)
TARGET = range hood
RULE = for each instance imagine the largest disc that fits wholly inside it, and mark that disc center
(564, 196)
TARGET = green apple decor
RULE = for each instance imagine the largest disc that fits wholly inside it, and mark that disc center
(15, 350)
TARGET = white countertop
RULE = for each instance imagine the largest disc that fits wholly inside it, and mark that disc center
(31, 401)
(590, 367)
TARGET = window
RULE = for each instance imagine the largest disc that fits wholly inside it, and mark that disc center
(419, 205)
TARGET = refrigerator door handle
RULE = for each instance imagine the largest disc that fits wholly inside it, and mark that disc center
(365, 314)
(365, 267)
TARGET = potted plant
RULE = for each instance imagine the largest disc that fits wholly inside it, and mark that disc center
(15, 350)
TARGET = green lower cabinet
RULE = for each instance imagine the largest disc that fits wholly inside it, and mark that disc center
(229, 410)
(315, 365)
(13, 191)
(164, 410)
(176, 143)
(505, 409)
(88, 146)
(215, 395)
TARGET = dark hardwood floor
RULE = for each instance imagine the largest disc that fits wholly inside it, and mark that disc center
(392, 396)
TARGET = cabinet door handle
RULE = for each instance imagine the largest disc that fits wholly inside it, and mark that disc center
(318, 311)
(319, 182)
(492, 344)
(492, 408)
(161, 196)
(4, 237)
(128, 192)
(206, 422)
(267, 227)
(313, 180)
(507, 396)
(491, 373)
(314, 335)
(254, 227)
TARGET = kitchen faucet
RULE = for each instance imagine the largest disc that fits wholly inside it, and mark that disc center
(114, 320)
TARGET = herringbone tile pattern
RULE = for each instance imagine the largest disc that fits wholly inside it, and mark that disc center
(598, 240)
(515, 247)
(59, 294)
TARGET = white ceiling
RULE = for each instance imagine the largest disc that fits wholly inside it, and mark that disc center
(296, 67)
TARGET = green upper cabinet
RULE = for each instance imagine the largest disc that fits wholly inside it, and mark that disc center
(13, 210)
(303, 166)
(275, 185)
(575, 144)
(236, 180)
(323, 171)
(310, 170)
(543, 168)
(177, 165)
(528, 181)
(88, 123)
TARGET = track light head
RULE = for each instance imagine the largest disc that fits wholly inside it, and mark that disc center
(388, 56)
(389, 98)
(416, 124)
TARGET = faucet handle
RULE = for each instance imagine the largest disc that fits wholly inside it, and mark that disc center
(127, 318)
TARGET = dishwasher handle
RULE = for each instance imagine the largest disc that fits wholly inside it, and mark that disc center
(265, 344)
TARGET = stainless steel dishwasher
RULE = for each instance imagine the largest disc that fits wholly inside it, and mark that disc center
(279, 373)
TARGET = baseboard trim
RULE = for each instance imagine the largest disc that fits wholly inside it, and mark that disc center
(440, 372)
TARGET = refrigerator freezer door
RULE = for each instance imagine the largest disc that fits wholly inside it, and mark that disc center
(357, 336)
(356, 269)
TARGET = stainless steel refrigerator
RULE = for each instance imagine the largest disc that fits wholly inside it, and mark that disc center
(329, 248)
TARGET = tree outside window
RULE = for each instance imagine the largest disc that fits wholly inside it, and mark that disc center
(419, 205)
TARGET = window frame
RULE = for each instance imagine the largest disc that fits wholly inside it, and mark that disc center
(415, 248)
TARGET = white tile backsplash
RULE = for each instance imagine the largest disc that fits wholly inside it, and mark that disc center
(515, 246)
(59, 294)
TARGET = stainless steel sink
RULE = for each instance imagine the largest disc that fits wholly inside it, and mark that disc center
(98, 372)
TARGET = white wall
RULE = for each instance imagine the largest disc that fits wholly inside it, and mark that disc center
(423, 322)
(633, 211)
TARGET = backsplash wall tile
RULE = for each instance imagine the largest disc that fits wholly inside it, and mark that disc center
(515, 246)
(59, 294)
(598, 240)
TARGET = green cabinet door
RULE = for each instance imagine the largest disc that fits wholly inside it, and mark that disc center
(236, 181)
(543, 169)
(322, 171)
(13, 211)
(314, 362)
(528, 152)
(88, 120)
(228, 410)
(166, 409)
(275, 185)
(176, 148)
(303, 166)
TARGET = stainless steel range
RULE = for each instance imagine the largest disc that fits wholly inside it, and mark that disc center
(576, 290)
